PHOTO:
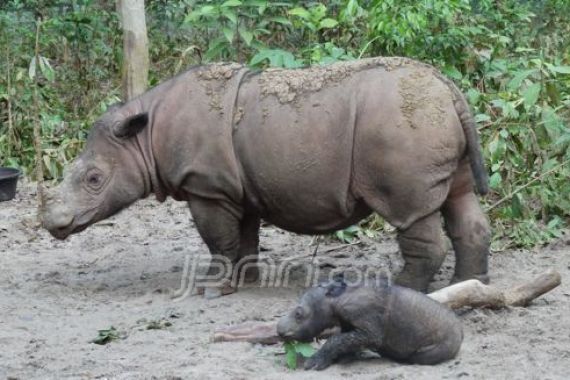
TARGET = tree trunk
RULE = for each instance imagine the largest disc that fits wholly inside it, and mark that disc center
(135, 47)
(38, 127)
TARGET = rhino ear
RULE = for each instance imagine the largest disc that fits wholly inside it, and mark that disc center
(115, 106)
(337, 286)
(131, 126)
(338, 277)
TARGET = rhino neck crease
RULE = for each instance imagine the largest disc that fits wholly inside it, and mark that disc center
(152, 179)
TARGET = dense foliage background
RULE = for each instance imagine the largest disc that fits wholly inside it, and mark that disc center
(511, 58)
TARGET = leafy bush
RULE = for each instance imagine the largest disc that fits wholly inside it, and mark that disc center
(78, 47)
(511, 58)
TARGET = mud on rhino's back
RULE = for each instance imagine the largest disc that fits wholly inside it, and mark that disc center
(297, 134)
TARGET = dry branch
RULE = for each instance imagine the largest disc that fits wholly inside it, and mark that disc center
(474, 294)
(252, 331)
(470, 293)
(523, 294)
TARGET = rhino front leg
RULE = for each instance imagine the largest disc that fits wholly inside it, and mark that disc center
(421, 245)
(337, 346)
(248, 248)
(219, 227)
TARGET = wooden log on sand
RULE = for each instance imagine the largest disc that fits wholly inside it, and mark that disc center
(475, 294)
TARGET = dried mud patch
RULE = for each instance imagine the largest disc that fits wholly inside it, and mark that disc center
(288, 84)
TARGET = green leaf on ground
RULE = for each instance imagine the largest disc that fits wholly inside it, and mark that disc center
(295, 349)
(107, 336)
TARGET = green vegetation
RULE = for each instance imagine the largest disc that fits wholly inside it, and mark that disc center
(107, 336)
(294, 350)
(511, 58)
(159, 324)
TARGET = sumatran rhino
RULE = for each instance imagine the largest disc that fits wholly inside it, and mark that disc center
(395, 322)
(310, 150)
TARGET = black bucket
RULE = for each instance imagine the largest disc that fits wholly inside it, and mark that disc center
(8, 181)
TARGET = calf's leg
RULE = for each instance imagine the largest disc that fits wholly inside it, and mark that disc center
(337, 346)
(434, 354)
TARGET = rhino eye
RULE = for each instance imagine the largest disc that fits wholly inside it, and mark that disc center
(94, 179)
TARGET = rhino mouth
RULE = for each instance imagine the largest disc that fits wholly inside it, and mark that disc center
(75, 224)
(294, 338)
(62, 233)
(292, 335)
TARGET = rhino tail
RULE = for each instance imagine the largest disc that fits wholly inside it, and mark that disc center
(473, 146)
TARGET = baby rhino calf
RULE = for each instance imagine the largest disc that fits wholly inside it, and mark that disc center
(395, 322)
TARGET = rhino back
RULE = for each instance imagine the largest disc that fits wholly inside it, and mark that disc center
(315, 149)
(408, 143)
(325, 145)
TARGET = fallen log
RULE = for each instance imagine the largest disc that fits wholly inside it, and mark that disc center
(470, 293)
(475, 294)
(251, 331)
(523, 294)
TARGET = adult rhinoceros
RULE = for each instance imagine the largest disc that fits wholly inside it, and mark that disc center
(310, 150)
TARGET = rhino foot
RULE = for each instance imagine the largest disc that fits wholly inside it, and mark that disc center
(251, 275)
(212, 292)
(407, 280)
(318, 362)
(484, 278)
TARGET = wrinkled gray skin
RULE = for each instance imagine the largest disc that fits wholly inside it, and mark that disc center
(395, 322)
(310, 150)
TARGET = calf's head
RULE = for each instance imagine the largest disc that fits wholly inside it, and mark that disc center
(109, 175)
(313, 314)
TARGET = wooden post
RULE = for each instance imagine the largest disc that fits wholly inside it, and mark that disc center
(37, 127)
(135, 47)
(11, 135)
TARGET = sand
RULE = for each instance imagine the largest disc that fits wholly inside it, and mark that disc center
(56, 295)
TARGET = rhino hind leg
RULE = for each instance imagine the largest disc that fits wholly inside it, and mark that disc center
(421, 245)
(435, 354)
(220, 230)
(467, 227)
(469, 232)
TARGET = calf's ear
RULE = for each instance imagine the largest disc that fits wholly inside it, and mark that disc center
(336, 287)
(338, 277)
(131, 126)
(335, 290)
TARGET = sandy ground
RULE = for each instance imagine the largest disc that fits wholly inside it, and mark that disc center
(55, 295)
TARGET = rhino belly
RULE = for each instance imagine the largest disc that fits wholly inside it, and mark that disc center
(313, 220)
